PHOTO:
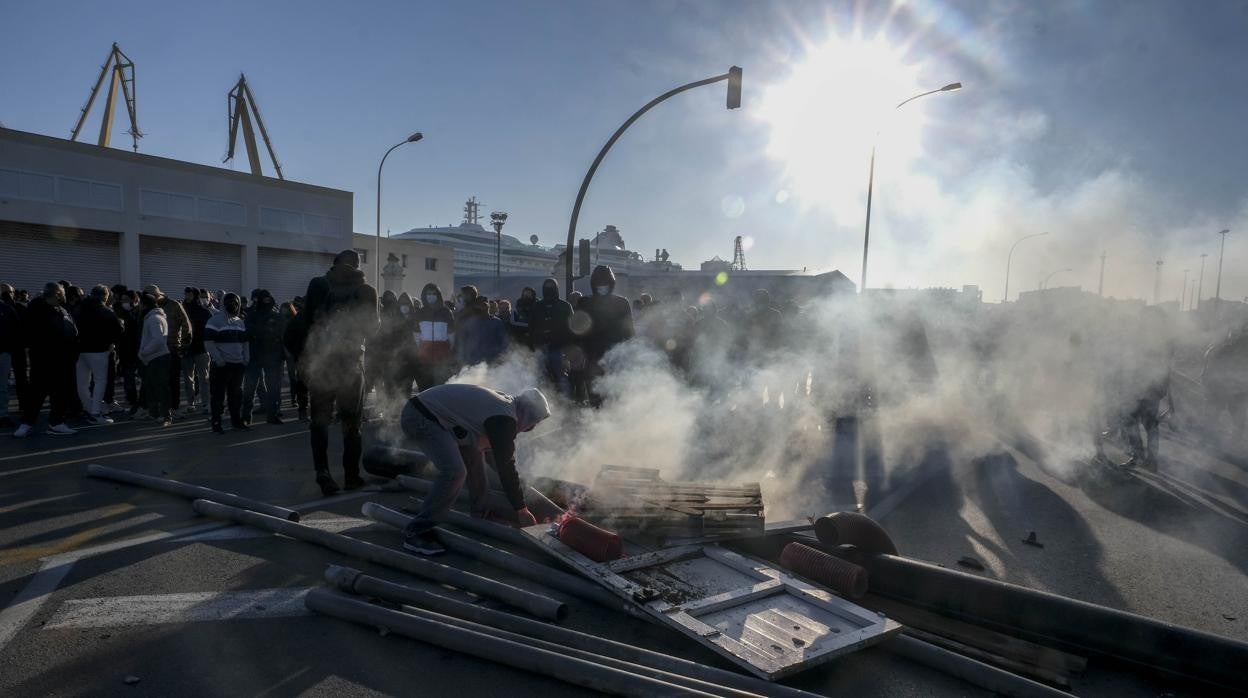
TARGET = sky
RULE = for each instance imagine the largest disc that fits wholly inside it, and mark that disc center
(1114, 126)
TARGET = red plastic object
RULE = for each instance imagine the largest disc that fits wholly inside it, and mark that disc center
(597, 544)
(841, 576)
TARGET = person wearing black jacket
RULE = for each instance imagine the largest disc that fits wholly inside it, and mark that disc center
(264, 331)
(342, 318)
(611, 323)
(51, 336)
(196, 362)
(522, 317)
(99, 330)
(127, 309)
(11, 348)
(550, 332)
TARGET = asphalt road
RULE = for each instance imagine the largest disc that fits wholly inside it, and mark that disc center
(102, 581)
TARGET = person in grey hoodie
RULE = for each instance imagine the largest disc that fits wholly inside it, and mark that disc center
(154, 353)
(225, 340)
(453, 424)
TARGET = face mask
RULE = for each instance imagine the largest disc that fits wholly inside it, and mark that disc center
(602, 290)
(404, 309)
(431, 299)
(125, 306)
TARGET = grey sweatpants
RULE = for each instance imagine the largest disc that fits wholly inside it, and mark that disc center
(439, 445)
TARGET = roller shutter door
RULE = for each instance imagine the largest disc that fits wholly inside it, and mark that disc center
(174, 264)
(32, 255)
(286, 273)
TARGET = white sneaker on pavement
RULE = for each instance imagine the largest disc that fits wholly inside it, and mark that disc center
(61, 430)
(23, 430)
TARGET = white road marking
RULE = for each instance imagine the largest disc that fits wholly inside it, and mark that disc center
(195, 607)
(267, 438)
(92, 459)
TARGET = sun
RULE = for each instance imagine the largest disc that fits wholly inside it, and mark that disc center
(827, 112)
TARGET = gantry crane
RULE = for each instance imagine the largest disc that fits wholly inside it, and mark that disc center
(122, 70)
(240, 113)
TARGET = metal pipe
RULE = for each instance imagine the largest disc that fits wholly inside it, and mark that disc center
(575, 671)
(357, 582)
(539, 505)
(543, 574)
(969, 670)
(189, 491)
(536, 604)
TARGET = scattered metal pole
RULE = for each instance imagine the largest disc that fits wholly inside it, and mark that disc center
(575, 671)
(969, 670)
(356, 582)
(189, 491)
(543, 574)
(539, 505)
(536, 604)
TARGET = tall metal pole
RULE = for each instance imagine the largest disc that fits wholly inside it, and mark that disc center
(1157, 284)
(1200, 284)
(497, 219)
(377, 248)
(1217, 292)
(1183, 289)
(1005, 298)
(1100, 285)
(733, 76)
(866, 228)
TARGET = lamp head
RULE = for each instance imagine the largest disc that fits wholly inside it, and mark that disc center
(951, 87)
(415, 137)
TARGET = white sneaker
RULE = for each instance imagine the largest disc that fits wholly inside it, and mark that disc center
(61, 430)
(100, 419)
(23, 430)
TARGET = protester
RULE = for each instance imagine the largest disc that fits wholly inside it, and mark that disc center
(551, 333)
(178, 339)
(12, 351)
(435, 326)
(128, 310)
(522, 316)
(195, 363)
(225, 340)
(298, 390)
(265, 331)
(154, 354)
(479, 338)
(99, 330)
(452, 425)
(610, 323)
(51, 336)
(342, 319)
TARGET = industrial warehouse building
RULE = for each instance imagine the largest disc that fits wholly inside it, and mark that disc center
(92, 215)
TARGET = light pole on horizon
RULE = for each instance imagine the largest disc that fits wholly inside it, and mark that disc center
(1183, 291)
(497, 219)
(377, 250)
(1045, 283)
(1157, 283)
(1100, 285)
(1010, 258)
(1200, 283)
(1217, 292)
(733, 76)
(866, 229)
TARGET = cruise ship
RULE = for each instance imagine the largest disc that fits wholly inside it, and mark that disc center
(475, 251)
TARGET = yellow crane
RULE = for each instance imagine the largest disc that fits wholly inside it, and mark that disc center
(241, 104)
(122, 70)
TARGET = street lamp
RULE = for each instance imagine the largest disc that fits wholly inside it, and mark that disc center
(1217, 291)
(1200, 284)
(497, 219)
(733, 76)
(1183, 291)
(866, 233)
(1010, 258)
(377, 252)
(1045, 283)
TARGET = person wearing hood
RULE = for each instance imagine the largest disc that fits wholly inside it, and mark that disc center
(435, 328)
(99, 330)
(452, 425)
(265, 328)
(481, 338)
(389, 363)
(50, 335)
(225, 340)
(610, 322)
(154, 353)
(342, 318)
(522, 317)
(298, 391)
(195, 363)
(179, 339)
(551, 332)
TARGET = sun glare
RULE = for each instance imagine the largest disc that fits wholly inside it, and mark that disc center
(825, 115)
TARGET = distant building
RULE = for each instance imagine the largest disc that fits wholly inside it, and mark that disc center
(406, 265)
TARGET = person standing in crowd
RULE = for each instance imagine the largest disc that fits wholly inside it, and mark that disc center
(99, 330)
(298, 391)
(128, 310)
(467, 294)
(611, 323)
(522, 317)
(342, 319)
(453, 425)
(225, 340)
(179, 338)
(265, 330)
(154, 353)
(479, 338)
(51, 336)
(435, 326)
(11, 345)
(550, 333)
(195, 363)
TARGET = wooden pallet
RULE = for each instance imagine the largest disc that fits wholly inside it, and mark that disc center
(637, 501)
(762, 619)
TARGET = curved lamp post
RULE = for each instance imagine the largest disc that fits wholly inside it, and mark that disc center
(733, 76)
(1010, 258)
(377, 252)
(866, 233)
